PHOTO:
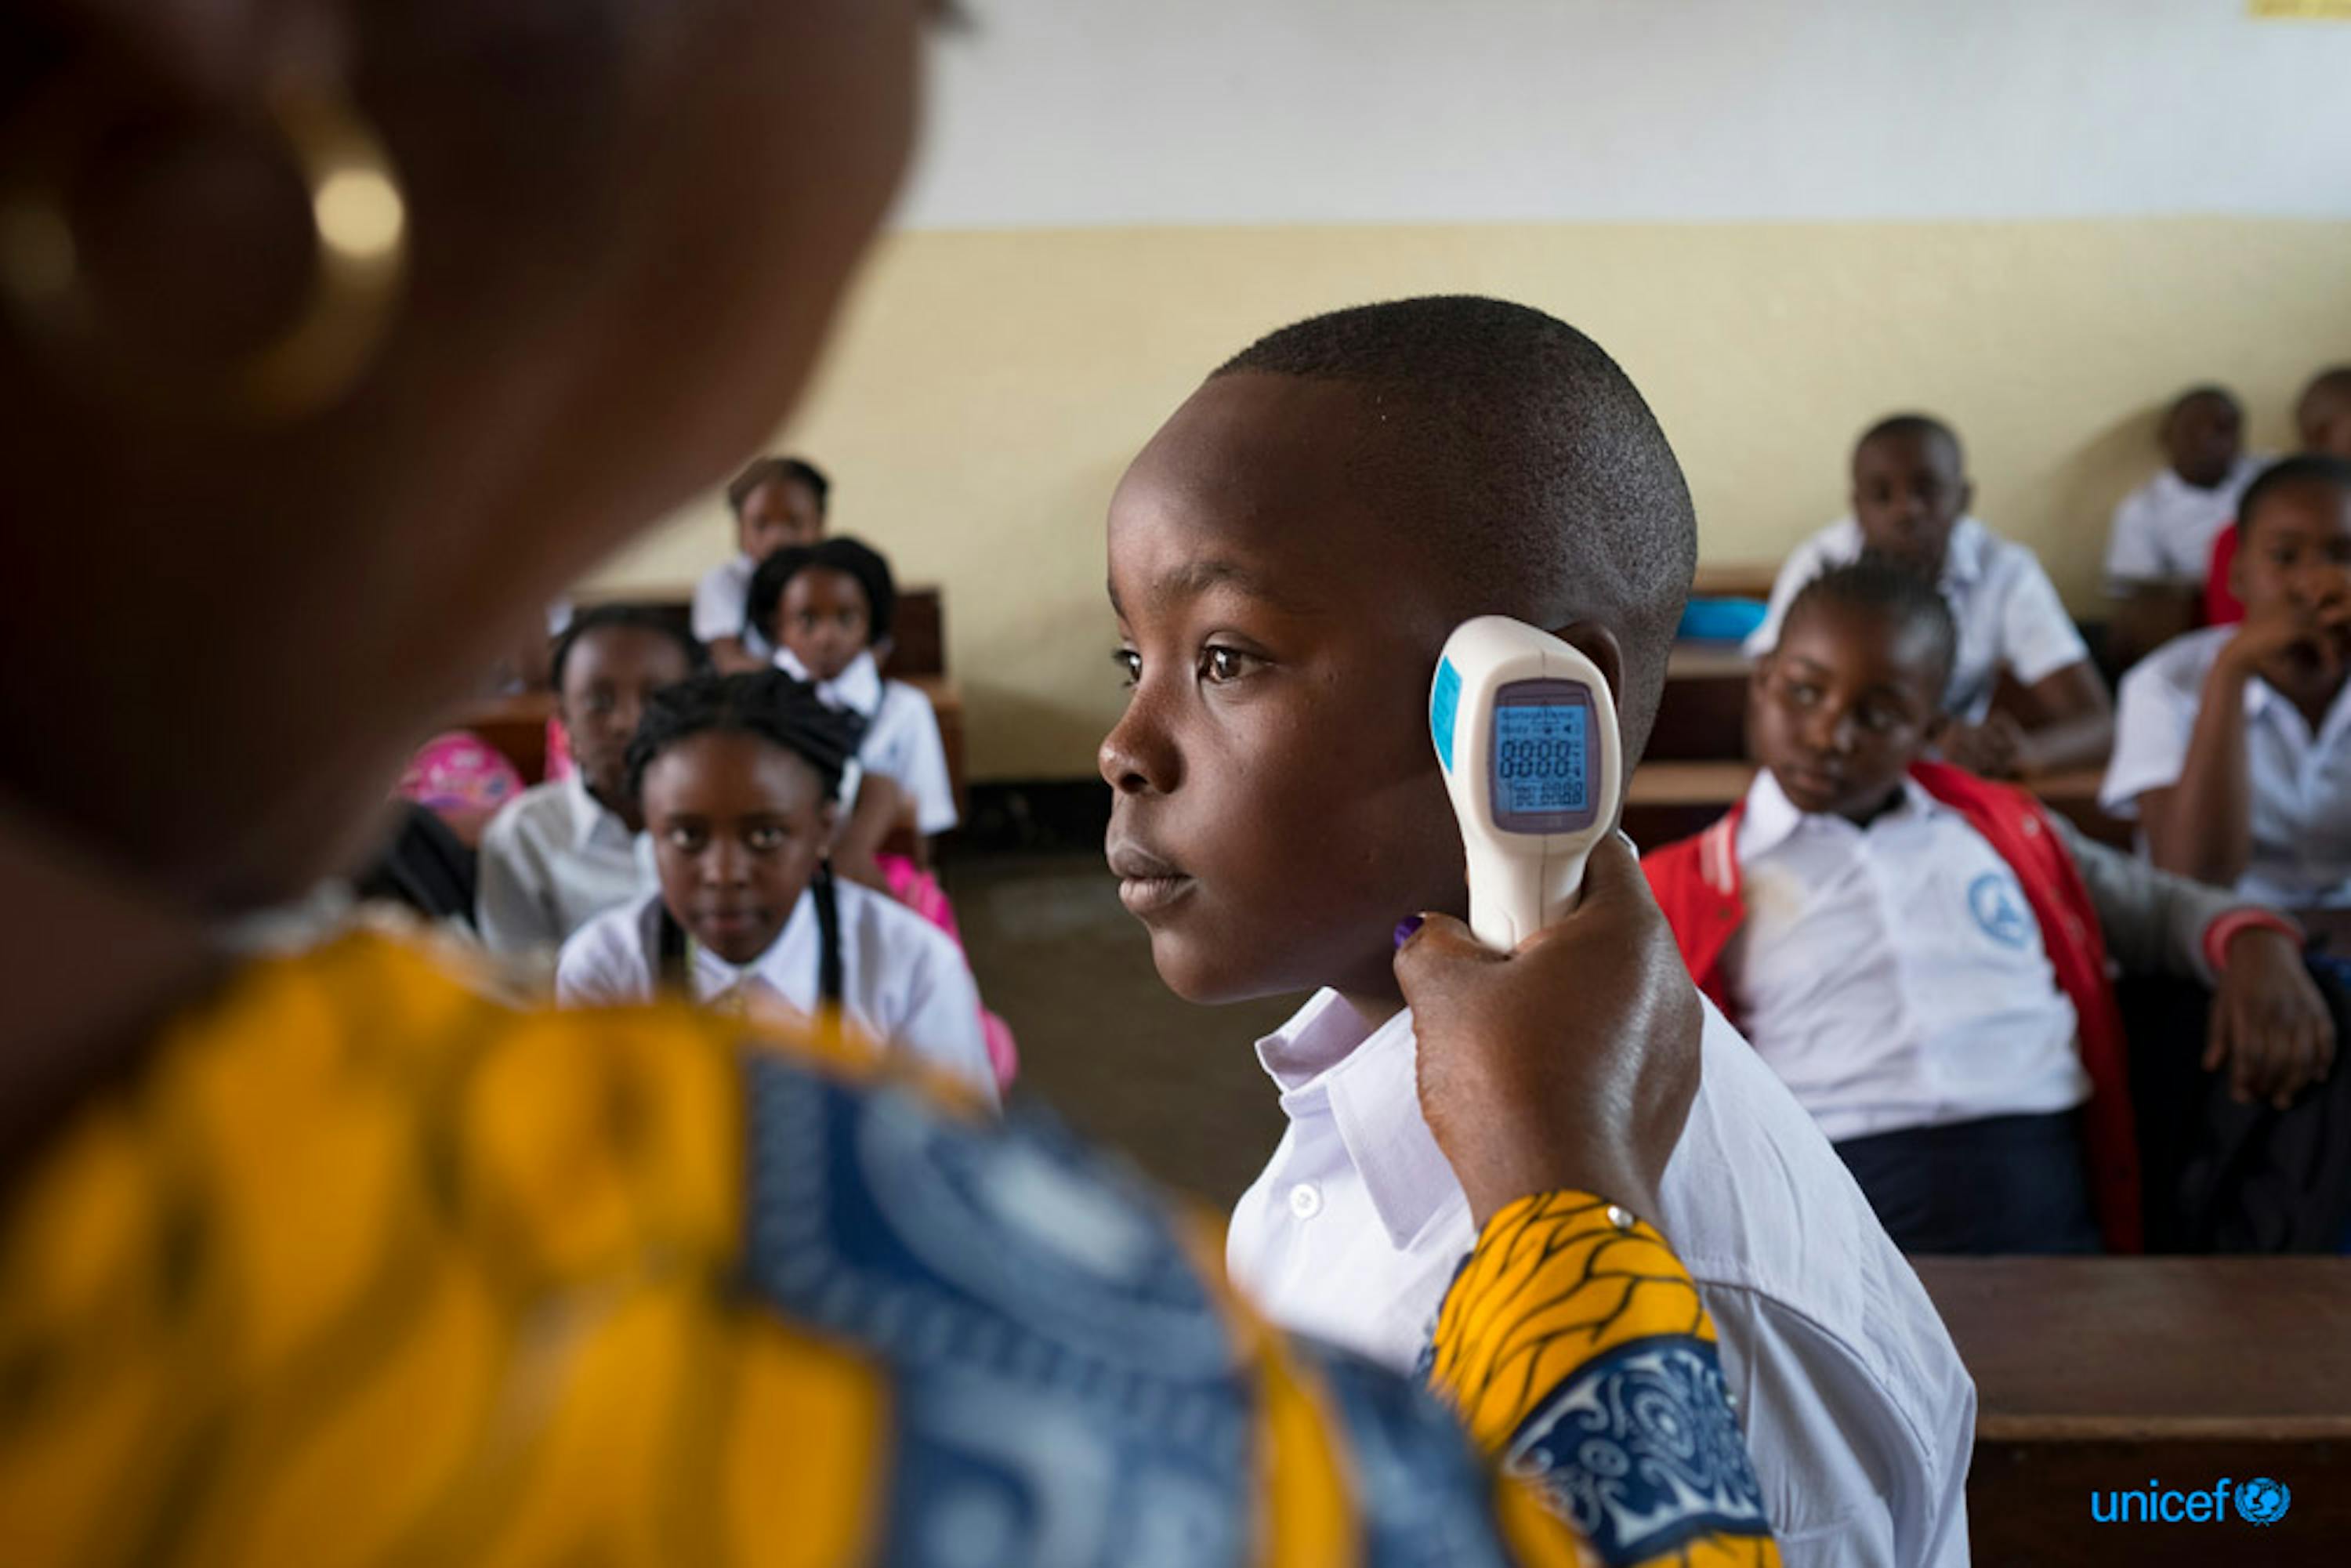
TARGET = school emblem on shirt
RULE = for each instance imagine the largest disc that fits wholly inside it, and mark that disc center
(1992, 899)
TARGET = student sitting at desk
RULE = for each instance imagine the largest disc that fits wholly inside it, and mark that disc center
(777, 502)
(2322, 422)
(2234, 746)
(562, 850)
(824, 607)
(739, 775)
(1910, 497)
(2163, 532)
(1921, 956)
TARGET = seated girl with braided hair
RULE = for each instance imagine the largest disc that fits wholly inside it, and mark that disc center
(739, 779)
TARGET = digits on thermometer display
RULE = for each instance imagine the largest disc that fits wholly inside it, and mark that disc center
(1539, 756)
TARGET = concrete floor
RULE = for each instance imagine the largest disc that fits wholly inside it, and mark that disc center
(1113, 1051)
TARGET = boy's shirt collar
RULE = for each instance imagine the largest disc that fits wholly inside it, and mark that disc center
(592, 823)
(1325, 1059)
(857, 688)
(1771, 819)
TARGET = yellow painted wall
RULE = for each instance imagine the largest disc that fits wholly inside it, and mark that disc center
(987, 388)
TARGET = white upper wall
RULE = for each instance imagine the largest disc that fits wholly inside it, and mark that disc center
(1113, 112)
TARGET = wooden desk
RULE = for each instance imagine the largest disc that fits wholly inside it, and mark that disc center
(1702, 715)
(1734, 579)
(1667, 801)
(2103, 1373)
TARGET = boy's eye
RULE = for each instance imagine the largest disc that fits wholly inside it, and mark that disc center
(1130, 664)
(689, 840)
(1219, 665)
(766, 837)
(1804, 694)
(1879, 720)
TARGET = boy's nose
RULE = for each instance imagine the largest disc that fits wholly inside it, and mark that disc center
(1830, 730)
(1134, 761)
(726, 865)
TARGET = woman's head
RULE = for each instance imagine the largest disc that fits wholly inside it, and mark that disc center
(738, 777)
(601, 199)
(608, 664)
(778, 502)
(826, 603)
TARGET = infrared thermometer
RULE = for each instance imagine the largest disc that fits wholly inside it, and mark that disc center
(1526, 731)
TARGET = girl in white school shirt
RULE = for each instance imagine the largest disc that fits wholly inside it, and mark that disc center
(737, 776)
(2233, 749)
(825, 607)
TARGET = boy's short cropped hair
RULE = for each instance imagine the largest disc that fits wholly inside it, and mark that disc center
(2308, 468)
(1551, 490)
(650, 617)
(1915, 426)
(1895, 590)
(765, 470)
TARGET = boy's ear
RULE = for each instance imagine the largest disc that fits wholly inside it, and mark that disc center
(1936, 727)
(1966, 496)
(828, 815)
(1599, 644)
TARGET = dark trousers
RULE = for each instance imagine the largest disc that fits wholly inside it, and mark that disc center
(2004, 1184)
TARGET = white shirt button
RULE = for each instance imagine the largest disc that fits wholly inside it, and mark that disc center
(1306, 1200)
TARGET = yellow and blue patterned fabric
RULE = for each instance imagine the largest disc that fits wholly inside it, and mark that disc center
(366, 1267)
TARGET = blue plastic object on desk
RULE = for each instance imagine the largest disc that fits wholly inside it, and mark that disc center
(1720, 620)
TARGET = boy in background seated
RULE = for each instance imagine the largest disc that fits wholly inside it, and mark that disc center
(2234, 747)
(1910, 497)
(2161, 541)
(1287, 559)
(1921, 956)
(564, 850)
(777, 502)
(2322, 424)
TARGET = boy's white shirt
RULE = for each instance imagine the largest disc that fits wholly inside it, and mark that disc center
(2299, 782)
(2163, 531)
(1858, 1413)
(904, 982)
(2008, 612)
(552, 859)
(901, 734)
(719, 604)
(1894, 975)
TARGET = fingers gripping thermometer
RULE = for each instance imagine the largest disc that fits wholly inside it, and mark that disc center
(1526, 731)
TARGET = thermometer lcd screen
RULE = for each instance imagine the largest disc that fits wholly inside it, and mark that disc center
(1541, 757)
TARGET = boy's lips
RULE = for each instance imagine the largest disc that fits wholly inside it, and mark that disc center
(1811, 780)
(1147, 884)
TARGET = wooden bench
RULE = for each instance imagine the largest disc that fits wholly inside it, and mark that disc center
(516, 725)
(2105, 1374)
(1668, 800)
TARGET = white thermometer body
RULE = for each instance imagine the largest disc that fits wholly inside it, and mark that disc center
(1525, 729)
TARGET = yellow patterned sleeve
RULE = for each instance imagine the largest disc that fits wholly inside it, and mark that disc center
(364, 1266)
(1573, 1344)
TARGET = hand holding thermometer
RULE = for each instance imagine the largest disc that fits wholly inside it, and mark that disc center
(1526, 730)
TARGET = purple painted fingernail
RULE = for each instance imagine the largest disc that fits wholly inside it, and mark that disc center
(1405, 927)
